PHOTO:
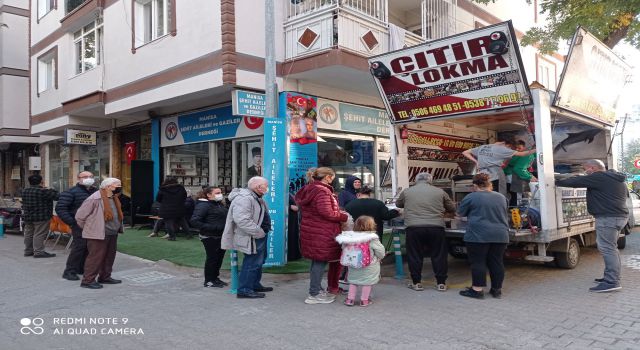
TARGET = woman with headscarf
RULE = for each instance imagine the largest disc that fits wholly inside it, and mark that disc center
(100, 217)
(351, 188)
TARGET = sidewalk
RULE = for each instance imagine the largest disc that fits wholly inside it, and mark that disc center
(542, 308)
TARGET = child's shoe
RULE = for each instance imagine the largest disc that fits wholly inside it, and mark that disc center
(349, 302)
(365, 303)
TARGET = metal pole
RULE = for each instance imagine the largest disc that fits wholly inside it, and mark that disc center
(271, 89)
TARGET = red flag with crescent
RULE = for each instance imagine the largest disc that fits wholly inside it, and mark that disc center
(130, 151)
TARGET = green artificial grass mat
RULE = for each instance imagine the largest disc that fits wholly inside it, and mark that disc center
(190, 252)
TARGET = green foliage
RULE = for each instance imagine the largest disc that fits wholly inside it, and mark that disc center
(609, 20)
(631, 149)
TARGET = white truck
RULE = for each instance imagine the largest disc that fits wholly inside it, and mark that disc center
(456, 93)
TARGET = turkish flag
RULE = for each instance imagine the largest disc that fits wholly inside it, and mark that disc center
(130, 151)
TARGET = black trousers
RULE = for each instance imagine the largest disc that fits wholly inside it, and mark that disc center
(432, 237)
(483, 256)
(215, 256)
(78, 253)
(173, 224)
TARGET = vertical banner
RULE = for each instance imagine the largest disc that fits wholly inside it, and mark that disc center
(302, 119)
(131, 151)
(275, 170)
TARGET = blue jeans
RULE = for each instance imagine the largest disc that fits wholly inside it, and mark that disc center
(251, 272)
(607, 232)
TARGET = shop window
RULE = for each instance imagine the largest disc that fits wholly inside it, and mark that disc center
(87, 43)
(348, 157)
(58, 166)
(152, 20)
(189, 164)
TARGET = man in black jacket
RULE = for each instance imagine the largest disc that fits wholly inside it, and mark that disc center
(37, 207)
(607, 202)
(365, 205)
(66, 208)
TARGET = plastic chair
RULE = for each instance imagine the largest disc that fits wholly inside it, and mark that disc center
(58, 228)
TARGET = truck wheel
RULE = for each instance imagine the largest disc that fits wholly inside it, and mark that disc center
(570, 258)
(622, 242)
(457, 252)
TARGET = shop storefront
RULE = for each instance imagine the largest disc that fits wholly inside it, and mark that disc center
(211, 147)
(64, 160)
(354, 140)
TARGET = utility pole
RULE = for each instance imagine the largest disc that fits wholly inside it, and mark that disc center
(270, 88)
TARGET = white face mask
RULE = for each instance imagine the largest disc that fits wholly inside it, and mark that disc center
(218, 197)
(88, 181)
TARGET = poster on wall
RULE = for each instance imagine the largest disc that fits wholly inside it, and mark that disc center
(254, 159)
(207, 125)
(478, 70)
(275, 171)
(301, 115)
(439, 155)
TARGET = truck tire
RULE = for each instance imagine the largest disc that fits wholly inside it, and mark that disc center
(622, 241)
(456, 253)
(570, 258)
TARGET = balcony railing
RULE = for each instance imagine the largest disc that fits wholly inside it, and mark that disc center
(359, 26)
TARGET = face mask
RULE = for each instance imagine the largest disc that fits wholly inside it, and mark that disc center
(218, 197)
(117, 190)
(88, 181)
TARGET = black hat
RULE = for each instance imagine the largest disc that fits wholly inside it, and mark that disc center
(256, 151)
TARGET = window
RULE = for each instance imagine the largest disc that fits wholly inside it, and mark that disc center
(44, 7)
(46, 72)
(153, 19)
(87, 43)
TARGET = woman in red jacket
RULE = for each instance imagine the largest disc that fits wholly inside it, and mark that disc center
(319, 226)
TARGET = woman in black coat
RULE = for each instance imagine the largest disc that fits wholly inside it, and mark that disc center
(210, 216)
(171, 197)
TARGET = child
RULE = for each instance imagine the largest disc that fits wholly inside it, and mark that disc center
(364, 231)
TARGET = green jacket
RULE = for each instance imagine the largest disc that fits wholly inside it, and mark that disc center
(519, 165)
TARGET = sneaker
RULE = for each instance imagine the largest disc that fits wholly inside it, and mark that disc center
(415, 286)
(218, 280)
(349, 302)
(167, 236)
(153, 234)
(326, 294)
(496, 293)
(44, 255)
(441, 287)
(471, 293)
(214, 284)
(599, 280)
(319, 299)
(604, 287)
(340, 291)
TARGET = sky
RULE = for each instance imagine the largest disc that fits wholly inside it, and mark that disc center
(631, 95)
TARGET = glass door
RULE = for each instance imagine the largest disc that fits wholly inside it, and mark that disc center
(247, 158)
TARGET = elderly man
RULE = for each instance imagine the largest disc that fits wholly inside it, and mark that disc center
(100, 217)
(66, 208)
(246, 229)
(425, 206)
(606, 201)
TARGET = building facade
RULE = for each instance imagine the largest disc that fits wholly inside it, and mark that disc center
(134, 71)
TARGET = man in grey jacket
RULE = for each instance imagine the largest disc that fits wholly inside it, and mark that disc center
(425, 206)
(607, 202)
(246, 229)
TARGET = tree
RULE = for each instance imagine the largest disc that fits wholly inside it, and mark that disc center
(609, 20)
(631, 150)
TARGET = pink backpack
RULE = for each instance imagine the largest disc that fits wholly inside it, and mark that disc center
(356, 255)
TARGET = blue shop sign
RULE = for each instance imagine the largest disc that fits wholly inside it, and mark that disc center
(246, 103)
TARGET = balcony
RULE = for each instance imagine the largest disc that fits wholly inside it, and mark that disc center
(362, 27)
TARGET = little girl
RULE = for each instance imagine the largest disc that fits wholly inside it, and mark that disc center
(364, 230)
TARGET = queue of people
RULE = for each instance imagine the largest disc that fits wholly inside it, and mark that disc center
(329, 234)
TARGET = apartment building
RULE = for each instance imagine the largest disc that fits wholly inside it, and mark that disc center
(17, 146)
(140, 73)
